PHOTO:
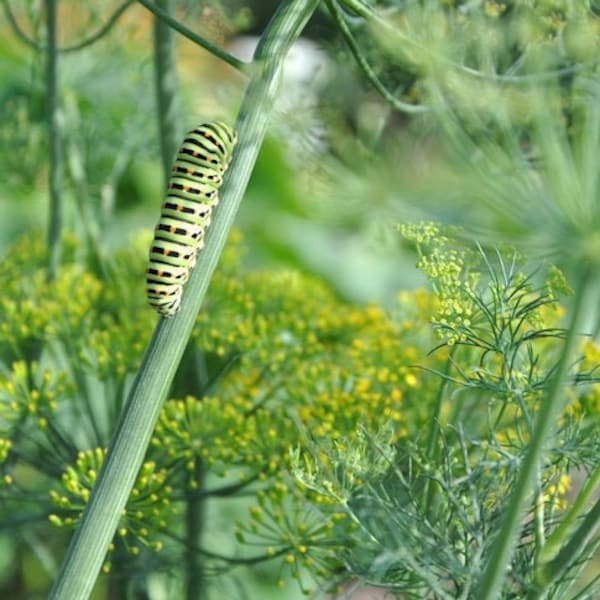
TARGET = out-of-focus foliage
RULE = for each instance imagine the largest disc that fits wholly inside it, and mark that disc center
(505, 146)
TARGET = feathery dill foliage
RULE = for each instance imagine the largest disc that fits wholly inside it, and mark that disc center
(274, 354)
(419, 513)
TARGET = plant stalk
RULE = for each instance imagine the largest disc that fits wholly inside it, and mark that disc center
(194, 524)
(54, 143)
(127, 449)
(550, 409)
(555, 541)
(550, 571)
(434, 447)
(165, 81)
(194, 37)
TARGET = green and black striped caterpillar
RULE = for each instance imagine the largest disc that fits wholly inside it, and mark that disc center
(185, 214)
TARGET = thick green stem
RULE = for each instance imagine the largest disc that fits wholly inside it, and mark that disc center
(165, 79)
(550, 409)
(54, 143)
(556, 540)
(127, 449)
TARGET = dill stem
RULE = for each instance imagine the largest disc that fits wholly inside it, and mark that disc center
(550, 408)
(54, 143)
(433, 446)
(552, 562)
(130, 440)
(195, 518)
(165, 82)
(156, 9)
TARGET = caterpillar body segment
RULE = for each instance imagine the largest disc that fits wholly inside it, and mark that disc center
(193, 192)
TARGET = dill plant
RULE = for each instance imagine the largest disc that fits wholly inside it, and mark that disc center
(426, 508)
(509, 96)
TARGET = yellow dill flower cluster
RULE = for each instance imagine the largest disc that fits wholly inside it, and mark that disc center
(122, 321)
(230, 437)
(281, 353)
(556, 486)
(303, 359)
(113, 351)
(66, 348)
(26, 254)
(535, 21)
(305, 519)
(261, 309)
(299, 402)
(336, 469)
(452, 282)
(30, 392)
(491, 310)
(295, 344)
(5, 446)
(589, 400)
(415, 310)
(287, 527)
(7, 478)
(34, 311)
(148, 511)
(493, 9)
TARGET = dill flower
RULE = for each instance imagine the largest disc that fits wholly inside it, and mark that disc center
(148, 512)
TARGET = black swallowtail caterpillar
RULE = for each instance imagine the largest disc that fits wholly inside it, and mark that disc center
(185, 214)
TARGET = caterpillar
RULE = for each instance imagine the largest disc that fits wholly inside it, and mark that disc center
(192, 193)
